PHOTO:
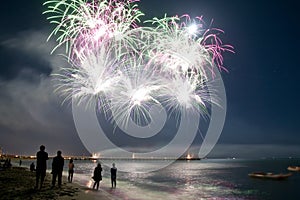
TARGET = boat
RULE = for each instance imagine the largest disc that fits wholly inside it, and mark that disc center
(294, 168)
(269, 175)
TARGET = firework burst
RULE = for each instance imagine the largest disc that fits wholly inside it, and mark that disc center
(183, 44)
(136, 92)
(83, 25)
(129, 68)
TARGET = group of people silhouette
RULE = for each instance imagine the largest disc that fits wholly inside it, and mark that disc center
(41, 167)
(98, 176)
(57, 170)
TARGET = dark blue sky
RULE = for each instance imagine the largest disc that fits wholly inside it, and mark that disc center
(262, 83)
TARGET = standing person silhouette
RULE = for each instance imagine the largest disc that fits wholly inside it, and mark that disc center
(41, 166)
(57, 168)
(71, 171)
(113, 173)
(97, 176)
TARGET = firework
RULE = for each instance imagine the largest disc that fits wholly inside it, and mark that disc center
(184, 45)
(83, 25)
(129, 68)
(187, 54)
(137, 91)
(93, 78)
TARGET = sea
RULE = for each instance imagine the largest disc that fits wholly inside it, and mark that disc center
(212, 179)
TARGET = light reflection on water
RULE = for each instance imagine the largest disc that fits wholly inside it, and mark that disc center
(89, 184)
(205, 179)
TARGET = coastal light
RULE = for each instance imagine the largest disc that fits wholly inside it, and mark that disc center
(188, 157)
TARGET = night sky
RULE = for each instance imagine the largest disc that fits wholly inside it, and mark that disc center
(262, 83)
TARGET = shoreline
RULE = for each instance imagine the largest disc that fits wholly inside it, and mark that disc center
(19, 182)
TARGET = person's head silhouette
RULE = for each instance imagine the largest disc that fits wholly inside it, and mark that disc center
(58, 153)
(42, 148)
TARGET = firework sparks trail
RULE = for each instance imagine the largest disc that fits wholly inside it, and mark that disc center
(188, 54)
(137, 90)
(129, 68)
(93, 78)
(183, 44)
(83, 25)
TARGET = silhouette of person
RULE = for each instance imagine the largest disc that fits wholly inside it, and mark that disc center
(113, 175)
(32, 167)
(41, 166)
(20, 162)
(71, 171)
(57, 169)
(97, 176)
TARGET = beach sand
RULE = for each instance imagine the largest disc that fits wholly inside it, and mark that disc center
(18, 183)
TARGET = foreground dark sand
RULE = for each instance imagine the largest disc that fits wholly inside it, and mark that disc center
(18, 183)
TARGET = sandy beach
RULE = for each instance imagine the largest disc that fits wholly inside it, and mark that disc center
(18, 183)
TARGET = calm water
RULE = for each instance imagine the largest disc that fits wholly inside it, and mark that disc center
(204, 179)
